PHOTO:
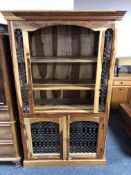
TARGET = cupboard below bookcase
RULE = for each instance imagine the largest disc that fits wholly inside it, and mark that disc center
(63, 68)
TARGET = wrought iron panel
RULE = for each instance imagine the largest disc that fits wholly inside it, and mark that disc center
(45, 137)
(105, 69)
(83, 137)
(21, 66)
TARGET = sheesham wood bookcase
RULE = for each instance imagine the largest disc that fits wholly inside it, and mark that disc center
(63, 68)
(10, 149)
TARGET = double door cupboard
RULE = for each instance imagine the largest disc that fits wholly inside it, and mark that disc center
(9, 125)
(63, 67)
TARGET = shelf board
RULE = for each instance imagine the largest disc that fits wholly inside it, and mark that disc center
(65, 59)
(63, 108)
(53, 86)
(63, 81)
(63, 101)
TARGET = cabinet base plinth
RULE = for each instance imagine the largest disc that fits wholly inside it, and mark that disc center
(89, 162)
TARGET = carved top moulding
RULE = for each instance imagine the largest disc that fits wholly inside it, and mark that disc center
(63, 15)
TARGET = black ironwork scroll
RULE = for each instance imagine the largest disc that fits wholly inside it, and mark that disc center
(22, 71)
(83, 137)
(105, 69)
(45, 137)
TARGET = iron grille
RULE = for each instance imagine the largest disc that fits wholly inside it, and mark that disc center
(83, 137)
(45, 137)
(21, 66)
(105, 69)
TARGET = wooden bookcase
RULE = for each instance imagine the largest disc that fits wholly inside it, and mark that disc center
(63, 68)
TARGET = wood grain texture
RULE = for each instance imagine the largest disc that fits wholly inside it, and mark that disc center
(121, 98)
(121, 86)
(129, 97)
(35, 25)
(70, 38)
(66, 15)
(9, 126)
(99, 70)
(4, 116)
(7, 151)
(89, 162)
(28, 70)
(5, 132)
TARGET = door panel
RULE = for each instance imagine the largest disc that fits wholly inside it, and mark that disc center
(83, 137)
(64, 136)
(44, 138)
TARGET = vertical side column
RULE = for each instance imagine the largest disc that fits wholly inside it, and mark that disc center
(107, 71)
(99, 70)
(21, 69)
(113, 44)
(106, 87)
(28, 69)
(15, 65)
(19, 72)
(64, 137)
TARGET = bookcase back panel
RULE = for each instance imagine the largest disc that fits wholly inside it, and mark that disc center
(64, 41)
(63, 97)
(63, 72)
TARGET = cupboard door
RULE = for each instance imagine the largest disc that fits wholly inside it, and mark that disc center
(119, 95)
(83, 137)
(44, 138)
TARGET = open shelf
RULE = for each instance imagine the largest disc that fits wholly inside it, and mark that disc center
(63, 72)
(65, 59)
(62, 100)
(57, 81)
(64, 108)
(52, 86)
(63, 65)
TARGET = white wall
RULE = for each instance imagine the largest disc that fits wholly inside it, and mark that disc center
(35, 5)
(124, 35)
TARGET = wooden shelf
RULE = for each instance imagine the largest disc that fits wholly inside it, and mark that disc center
(64, 59)
(65, 101)
(52, 86)
(63, 81)
(63, 108)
